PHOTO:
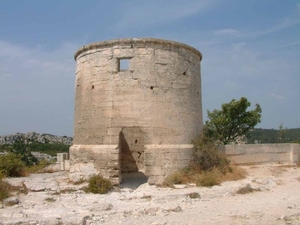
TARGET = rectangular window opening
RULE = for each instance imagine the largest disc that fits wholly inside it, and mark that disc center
(124, 64)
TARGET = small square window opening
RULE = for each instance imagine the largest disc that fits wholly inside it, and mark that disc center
(124, 64)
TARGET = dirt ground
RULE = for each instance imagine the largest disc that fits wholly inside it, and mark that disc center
(53, 199)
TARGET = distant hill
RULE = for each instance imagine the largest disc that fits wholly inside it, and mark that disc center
(261, 135)
(35, 142)
(33, 137)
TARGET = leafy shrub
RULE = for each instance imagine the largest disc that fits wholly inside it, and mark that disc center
(207, 156)
(99, 185)
(11, 165)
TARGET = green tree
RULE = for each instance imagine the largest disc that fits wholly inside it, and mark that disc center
(281, 134)
(232, 121)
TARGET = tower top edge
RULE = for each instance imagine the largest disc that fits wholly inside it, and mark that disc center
(135, 41)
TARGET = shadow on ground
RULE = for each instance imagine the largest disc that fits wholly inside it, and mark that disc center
(133, 180)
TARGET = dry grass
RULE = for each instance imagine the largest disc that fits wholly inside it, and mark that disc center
(11, 203)
(178, 177)
(78, 182)
(194, 174)
(40, 167)
(67, 191)
(6, 190)
(98, 185)
(50, 199)
(19, 189)
(246, 190)
(209, 178)
(236, 173)
(193, 195)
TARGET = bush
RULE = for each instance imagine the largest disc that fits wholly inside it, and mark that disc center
(11, 165)
(209, 178)
(99, 185)
(178, 177)
(207, 156)
(208, 167)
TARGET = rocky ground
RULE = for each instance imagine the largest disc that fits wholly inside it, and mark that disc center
(53, 199)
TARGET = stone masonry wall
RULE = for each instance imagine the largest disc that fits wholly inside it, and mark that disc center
(159, 94)
(262, 153)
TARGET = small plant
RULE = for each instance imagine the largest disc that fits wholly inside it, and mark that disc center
(234, 173)
(247, 189)
(80, 181)
(50, 199)
(99, 185)
(193, 195)
(11, 165)
(11, 203)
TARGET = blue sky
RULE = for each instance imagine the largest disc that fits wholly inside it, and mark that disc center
(250, 48)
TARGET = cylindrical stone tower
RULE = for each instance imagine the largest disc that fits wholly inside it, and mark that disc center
(137, 107)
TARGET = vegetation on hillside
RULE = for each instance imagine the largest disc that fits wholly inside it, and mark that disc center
(47, 148)
(261, 135)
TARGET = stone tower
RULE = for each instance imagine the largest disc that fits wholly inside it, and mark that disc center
(137, 107)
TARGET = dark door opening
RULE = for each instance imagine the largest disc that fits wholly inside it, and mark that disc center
(131, 155)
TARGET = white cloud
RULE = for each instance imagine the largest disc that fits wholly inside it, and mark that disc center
(146, 13)
(230, 32)
(279, 97)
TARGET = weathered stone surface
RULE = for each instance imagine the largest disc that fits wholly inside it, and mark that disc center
(155, 101)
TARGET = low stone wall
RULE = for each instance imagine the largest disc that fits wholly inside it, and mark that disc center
(262, 153)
